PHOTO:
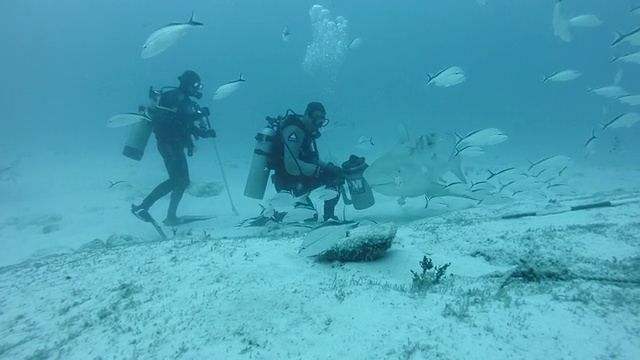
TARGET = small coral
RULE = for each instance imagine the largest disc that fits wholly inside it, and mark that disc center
(430, 275)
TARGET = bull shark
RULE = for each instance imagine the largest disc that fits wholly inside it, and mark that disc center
(415, 171)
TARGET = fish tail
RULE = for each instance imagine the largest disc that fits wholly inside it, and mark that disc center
(430, 78)
(192, 20)
(455, 165)
(614, 59)
(538, 174)
(545, 78)
(241, 78)
(531, 165)
(456, 152)
(458, 138)
(502, 186)
(617, 37)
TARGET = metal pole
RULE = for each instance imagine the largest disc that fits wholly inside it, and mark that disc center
(224, 177)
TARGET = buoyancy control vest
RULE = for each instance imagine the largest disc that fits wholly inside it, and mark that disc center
(268, 153)
(308, 149)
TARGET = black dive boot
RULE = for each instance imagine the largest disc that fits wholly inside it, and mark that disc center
(141, 213)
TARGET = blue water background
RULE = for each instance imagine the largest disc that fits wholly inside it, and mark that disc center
(67, 66)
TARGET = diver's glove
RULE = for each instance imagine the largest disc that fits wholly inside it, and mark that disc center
(210, 133)
(330, 173)
(204, 111)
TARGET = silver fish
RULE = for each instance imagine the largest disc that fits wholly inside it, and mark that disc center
(552, 162)
(325, 194)
(590, 145)
(633, 57)
(228, 88)
(609, 91)
(633, 100)
(632, 37)
(354, 44)
(507, 172)
(560, 23)
(625, 120)
(126, 119)
(562, 76)
(365, 143)
(482, 137)
(587, 20)
(618, 77)
(163, 38)
(285, 34)
(447, 77)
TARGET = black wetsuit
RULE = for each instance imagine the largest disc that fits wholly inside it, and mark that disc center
(297, 166)
(173, 121)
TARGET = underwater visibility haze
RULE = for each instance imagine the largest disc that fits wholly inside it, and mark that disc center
(494, 141)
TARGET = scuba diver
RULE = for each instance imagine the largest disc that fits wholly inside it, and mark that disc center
(173, 119)
(296, 163)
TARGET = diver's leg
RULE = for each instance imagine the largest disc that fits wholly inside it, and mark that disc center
(164, 187)
(180, 176)
(330, 205)
(330, 208)
(161, 190)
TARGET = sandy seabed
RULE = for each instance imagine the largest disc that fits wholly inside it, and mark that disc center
(562, 286)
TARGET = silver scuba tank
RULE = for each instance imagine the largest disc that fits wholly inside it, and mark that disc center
(259, 171)
(140, 132)
(137, 140)
(360, 193)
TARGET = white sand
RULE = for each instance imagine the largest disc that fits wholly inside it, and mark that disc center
(215, 291)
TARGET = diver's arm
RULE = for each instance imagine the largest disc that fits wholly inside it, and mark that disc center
(196, 131)
(293, 138)
(189, 114)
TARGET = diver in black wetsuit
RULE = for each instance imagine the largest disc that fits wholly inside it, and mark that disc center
(173, 121)
(297, 165)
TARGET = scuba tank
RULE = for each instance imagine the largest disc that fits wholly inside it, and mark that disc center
(260, 164)
(361, 196)
(140, 132)
(137, 140)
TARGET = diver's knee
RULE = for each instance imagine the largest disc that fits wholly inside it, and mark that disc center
(183, 184)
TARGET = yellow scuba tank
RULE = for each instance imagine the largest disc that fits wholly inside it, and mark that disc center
(259, 171)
